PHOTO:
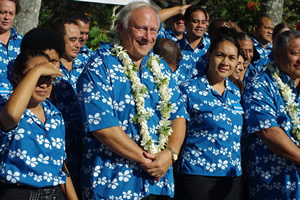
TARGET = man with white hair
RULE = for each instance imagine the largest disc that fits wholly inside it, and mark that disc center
(133, 114)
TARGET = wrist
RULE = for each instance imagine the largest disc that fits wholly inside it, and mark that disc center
(174, 154)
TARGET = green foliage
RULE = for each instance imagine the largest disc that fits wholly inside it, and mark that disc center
(97, 35)
(291, 12)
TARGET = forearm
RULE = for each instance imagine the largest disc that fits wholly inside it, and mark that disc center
(68, 188)
(279, 143)
(168, 12)
(11, 114)
(178, 135)
(118, 141)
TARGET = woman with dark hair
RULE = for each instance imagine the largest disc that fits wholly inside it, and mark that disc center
(210, 161)
(238, 73)
(32, 135)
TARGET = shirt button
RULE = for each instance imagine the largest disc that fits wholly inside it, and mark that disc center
(224, 105)
(50, 158)
(229, 121)
(46, 135)
(229, 157)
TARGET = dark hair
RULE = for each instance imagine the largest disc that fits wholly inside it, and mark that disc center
(258, 20)
(168, 50)
(81, 17)
(283, 40)
(18, 7)
(191, 10)
(278, 27)
(42, 39)
(58, 24)
(242, 36)
(215, 42)
(20, 63)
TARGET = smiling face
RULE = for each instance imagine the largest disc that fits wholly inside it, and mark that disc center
(288, 60)
(7, 15)
(84, 32)
(222, 61)
(197, 24)
(176, 24)
(72, 45)
(140, 35)
(247, 47)
(237, 73)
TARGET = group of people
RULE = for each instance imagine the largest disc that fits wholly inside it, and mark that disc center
(190, 110)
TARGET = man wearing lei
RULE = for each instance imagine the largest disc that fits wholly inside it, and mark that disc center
(133, 113)
(272, 111)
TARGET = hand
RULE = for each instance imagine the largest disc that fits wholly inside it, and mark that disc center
(47, 69)
(183, 9)
(160, 164)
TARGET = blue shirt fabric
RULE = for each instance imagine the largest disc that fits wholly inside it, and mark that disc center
(193, 60)
(265, 54)
(269, 176)
(106, 101)
(212, 143)
(84, 55)
(33, 153)
(7, 55)
(66, 101)
(166, 33)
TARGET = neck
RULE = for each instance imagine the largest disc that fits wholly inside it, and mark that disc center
(179, 36)
(172, 66)
(217, 84)
(4, 37)
(194, 41)
(67, 63)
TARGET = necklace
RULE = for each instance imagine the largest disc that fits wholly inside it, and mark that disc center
(290, 106)
(139, 92)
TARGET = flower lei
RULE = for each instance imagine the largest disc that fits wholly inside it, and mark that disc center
(139, 92)
(290, 106)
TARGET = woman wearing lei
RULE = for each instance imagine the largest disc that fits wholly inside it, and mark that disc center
(271, 104)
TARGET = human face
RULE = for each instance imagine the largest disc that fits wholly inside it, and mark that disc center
(222, 61)
(237, 73)
(44, 84)
(140, 35)
(72, 45)
(53, 55)
(196, 26)
(263, 33)
(288, 60)
(176, 24)
(84, 32)
(7, 15)
(247, 47)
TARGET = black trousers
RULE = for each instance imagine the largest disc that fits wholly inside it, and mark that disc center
(195, 187)
(157, 197)
(22, 192)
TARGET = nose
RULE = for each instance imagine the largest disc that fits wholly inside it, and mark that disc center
(147, 35)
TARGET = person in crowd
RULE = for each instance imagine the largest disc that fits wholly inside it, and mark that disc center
(32, 130)
(173, 18)
(10, 42)
(169, 51)
(65, 94)
(239, 70)
(209, 164)
(194, 43)
(262, 31)
(133, 114)
(279, 28)
(246, 45)
(272, 124)
(83, 23)
(222, 27)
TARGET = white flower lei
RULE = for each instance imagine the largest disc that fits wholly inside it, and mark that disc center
(139, 92)
(290, 106)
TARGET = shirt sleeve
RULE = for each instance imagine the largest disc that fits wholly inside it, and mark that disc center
(259, 105)
(95, 95)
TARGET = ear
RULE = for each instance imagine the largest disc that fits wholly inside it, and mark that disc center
(120, 26)
(276, 54)
(254, 28)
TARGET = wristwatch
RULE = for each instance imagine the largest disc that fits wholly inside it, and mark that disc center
(174, 154)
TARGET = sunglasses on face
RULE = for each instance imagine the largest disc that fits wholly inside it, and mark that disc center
(46, 79)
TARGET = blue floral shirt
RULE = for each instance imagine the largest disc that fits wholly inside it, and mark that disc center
(33, 153)
(106, 101)
(7, 55)
(265, 54)
(193, 60)
(212, 144)
(166, 33)
(84, 55)
(269, 176)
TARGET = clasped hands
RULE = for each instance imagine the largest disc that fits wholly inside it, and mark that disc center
(157, 165)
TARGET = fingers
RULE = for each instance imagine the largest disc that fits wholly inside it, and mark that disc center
(149, 156)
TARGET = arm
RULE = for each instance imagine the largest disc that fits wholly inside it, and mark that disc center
(11, 114)
(68, 188)
(166, 13)
(118, 141)
(163, 160)
(279, 143)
